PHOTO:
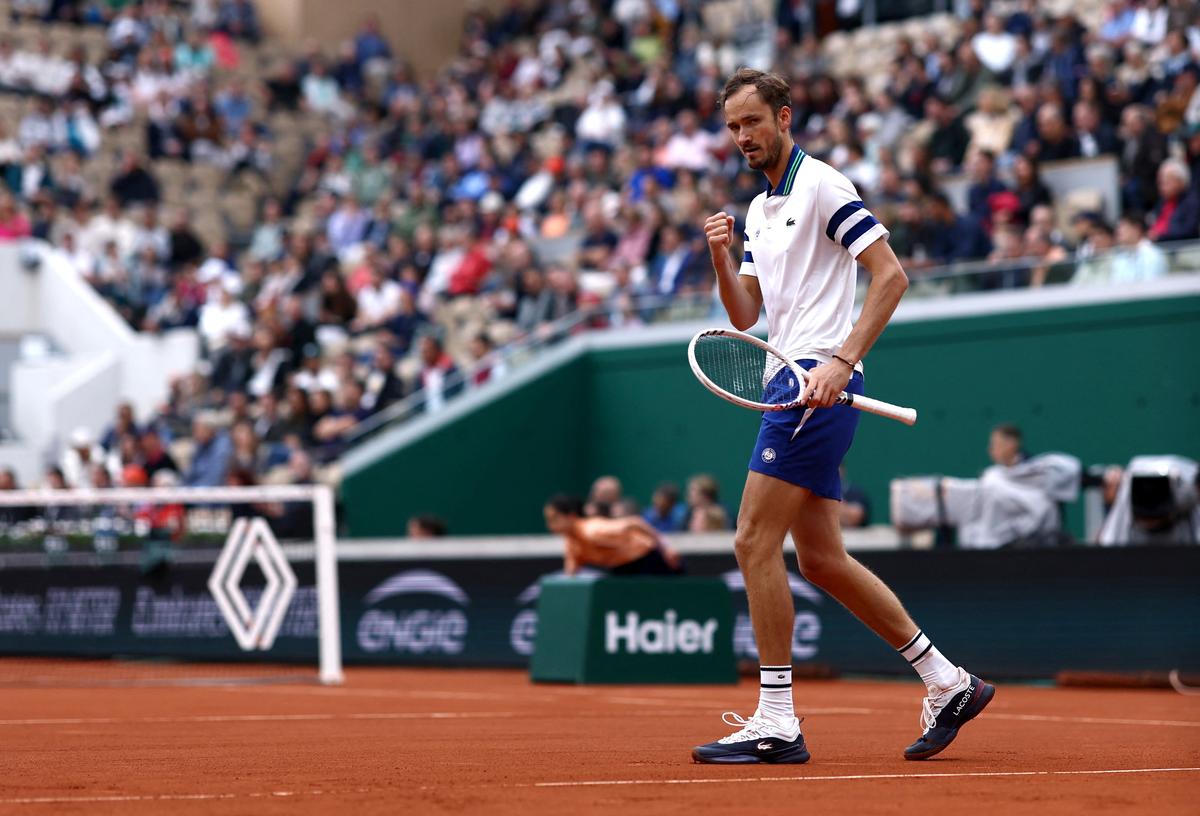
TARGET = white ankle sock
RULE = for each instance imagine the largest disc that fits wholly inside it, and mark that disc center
(775, 693)
(938, 673)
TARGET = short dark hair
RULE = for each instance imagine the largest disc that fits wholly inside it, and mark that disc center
(771, 88)
(566, 504)
(939, 198)
(1009, 430)
(431, 524)
(1134, 218)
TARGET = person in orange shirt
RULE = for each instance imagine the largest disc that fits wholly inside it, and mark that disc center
(623, 546)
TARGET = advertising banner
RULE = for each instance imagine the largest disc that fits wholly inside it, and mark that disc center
(1005, 613)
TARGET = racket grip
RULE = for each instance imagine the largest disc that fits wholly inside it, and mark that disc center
(884, 409)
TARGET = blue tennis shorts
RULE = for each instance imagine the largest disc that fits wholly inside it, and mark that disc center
(811, 459)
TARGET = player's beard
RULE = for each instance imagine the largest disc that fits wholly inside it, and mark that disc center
(767, 158)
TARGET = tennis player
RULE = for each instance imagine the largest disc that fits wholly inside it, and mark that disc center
(802, 238)
(623, 546)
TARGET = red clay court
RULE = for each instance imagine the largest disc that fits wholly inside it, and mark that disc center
(459, 741)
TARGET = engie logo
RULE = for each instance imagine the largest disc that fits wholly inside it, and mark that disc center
(522, 635)
(667, 635)
(414, 629)
(805, 633)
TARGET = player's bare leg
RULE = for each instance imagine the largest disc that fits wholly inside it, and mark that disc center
(772, 735)
(955, 697)
(762, 525)
(825, 563)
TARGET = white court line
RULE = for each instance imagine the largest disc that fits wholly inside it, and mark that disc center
(366, 692)
(235, 718)
(991, 715)
(849, 777)
(158, 797)
(1000, 715)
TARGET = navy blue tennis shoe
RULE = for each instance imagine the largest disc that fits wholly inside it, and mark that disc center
(758, 740)
(943, 715)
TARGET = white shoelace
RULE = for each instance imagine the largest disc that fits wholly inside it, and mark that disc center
(757, 727)
(932, 706)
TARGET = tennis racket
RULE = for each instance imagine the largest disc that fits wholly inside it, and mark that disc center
(742, 369)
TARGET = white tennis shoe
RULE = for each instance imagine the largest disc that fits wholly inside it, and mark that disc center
(757, 740)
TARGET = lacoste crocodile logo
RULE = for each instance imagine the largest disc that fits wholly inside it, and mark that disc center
(765, 746)
(791, 222)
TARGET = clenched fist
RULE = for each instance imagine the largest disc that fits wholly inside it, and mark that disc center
(718, 229)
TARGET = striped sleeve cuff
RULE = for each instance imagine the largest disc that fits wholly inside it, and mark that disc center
(854, 228)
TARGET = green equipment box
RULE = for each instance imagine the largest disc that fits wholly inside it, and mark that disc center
(634, 630)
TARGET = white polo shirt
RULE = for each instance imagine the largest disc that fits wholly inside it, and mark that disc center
(802, 240)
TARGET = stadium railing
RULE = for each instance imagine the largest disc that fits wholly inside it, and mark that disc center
(1177, 259)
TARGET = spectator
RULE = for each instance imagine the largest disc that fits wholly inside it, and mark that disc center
(122, 425)
(238, 19)
(248, 456)
(1097, 268)
(602, 121)
(676, 266)
(320, 91)
(1051, 260)
(486, 363)
(1143, 150)
(210, 457)
(1005, 445)
(949, 140)
(666, 512)
(78, 460)
(378, 303)
(426, 525)
(855, 510)
(333, 429)
(134, 183)
(984, 184)
(224, 318)
(1055, 141)
(382, 385)
(1178, 214)
(295, 520)
(1095, 136)
(1030, 190)
(690, 147)
(995, 47)
(14, 225)
(371, 51)
(703, 497)
(155, 457)
(605, 494)
(992, 123)
(439, 375)
(707, 519)
(952, 237)
(1136, 258)
(12, 515)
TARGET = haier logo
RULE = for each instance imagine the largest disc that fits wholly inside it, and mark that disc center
(666, 636)
(414, 630)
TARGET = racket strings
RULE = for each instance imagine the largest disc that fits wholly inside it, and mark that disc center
(745, 370)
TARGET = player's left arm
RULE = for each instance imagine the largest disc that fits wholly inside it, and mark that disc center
(888, 285)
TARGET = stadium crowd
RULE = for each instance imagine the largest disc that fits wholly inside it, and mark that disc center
(381, 234)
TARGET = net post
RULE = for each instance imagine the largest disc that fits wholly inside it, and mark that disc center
(328, 615)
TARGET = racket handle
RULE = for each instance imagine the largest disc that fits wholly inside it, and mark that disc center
(880, 408)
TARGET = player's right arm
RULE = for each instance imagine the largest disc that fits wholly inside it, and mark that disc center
(739, 293)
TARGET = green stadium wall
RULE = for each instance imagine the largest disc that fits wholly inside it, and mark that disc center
(1103, 381)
